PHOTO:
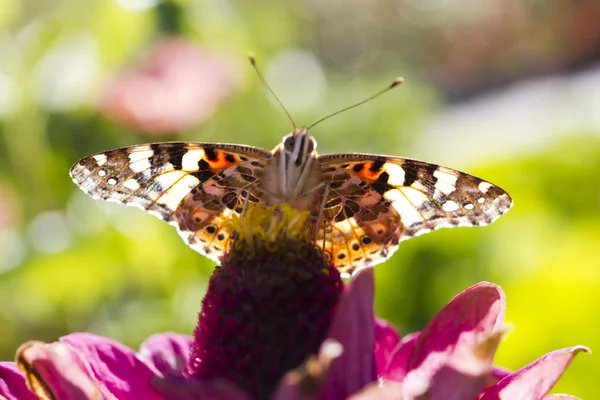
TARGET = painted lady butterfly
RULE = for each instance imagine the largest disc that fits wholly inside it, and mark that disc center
(365, 204)
(362, 205)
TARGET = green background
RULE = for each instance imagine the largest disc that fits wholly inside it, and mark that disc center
(506, 90)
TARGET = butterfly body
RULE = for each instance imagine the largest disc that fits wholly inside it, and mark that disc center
(293, 174)
(361, 205)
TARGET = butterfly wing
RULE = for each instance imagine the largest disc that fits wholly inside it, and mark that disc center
(193, 186)
(374, 202)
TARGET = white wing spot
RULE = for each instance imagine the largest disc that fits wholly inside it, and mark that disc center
(100, 159)
(409, 214)
(396, 174)
(131, 184)
(169, 178)
(101, 172)
(140, 165)
(173, 195)
(481, 200)
(189, 161)
(484, 187)
(419, 186)
(112, 181)
(469, 206)
(446, 182)
(415, 197)
(141, 153)
(450, 206)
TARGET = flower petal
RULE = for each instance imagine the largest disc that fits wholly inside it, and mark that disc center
(56, 371)
(167, 352)
(12, 383)
(186, 389)
(463, 376)
(386, 340)
(115, 366)
(388, 390)
(397, 366)
(472, 315)
(497, 374)
(560, 397)
(353, 328)
(535, 380)
(304, 382)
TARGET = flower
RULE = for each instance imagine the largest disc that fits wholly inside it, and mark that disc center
(278, 324)
(451, 358)
(177, 87)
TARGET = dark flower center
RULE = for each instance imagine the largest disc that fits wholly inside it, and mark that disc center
(267, 308)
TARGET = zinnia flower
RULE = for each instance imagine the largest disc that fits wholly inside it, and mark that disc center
(177, 87)
(278, 324)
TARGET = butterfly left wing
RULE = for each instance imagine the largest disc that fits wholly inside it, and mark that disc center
(374, 202)
(193, 186)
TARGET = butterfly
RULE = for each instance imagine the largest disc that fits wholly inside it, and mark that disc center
(362, 205)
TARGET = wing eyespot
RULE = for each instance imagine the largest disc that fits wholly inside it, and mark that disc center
(366, 240)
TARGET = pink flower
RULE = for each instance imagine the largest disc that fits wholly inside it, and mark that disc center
(450, 359)
(177, 87)
(277, 323)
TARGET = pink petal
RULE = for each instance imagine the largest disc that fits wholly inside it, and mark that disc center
(304, 382)
(535, 380)
(560, 397)
(381, 391)
(167, 352)
(184, 389)
(386, 340)
(464, 375)
(56, 371)
(497, 374)
(472, 315)
(115, 366)
(12, 383)
(353, 328)
(397, 366)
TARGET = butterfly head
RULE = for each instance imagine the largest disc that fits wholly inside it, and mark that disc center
(298, 147)
(295, 155)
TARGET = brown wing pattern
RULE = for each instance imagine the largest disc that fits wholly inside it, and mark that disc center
(193, 186)
(374, 202)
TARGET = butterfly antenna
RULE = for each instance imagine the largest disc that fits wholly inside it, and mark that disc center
(396, 82)
(264, 81)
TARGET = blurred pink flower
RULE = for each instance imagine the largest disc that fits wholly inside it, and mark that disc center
(451, 358)
(176, 87)
(10, 212)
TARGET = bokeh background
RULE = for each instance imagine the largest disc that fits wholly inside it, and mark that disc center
(506, 89)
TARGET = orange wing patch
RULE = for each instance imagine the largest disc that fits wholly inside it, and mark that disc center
(369, 170)
(218, 159)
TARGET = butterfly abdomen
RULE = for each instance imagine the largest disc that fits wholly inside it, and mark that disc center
(304, 195)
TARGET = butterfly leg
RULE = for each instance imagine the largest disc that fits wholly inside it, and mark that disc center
(321, 210)
(247, 197)
(247, 200)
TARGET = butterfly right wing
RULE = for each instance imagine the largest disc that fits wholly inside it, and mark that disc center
(193, 186)
(374, 202)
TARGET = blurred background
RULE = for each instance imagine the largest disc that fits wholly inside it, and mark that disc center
(508, 90)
